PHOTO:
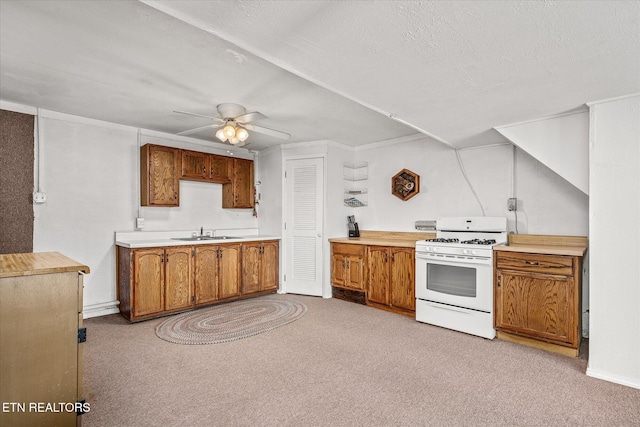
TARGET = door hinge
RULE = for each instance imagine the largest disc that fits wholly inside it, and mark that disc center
(285, 277)
(285, 225)
(285, 174)
(82, 335)
(193, 298)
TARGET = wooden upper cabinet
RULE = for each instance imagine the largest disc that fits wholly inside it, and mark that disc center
(239, 192)
(197, 166)
(159, 175)
(220, 168)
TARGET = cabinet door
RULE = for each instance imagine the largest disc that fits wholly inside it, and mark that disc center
(220, 168)
(403, 278)
(270, 266)
(229, 270)
(206, 274)
(338, 269)
(160, 180)
(355, 272)
(239, 192)
(148, 287)
(378, 274)
(536, 305)
(195, 165)
(178, 278)
(251, 267)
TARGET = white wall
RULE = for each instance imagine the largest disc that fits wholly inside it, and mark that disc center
(614, 343)
(89, 172)
(547, 203)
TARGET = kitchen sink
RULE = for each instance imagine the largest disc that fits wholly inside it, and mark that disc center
(200, 238)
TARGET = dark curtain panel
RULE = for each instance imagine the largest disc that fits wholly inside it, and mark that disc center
(16, 182)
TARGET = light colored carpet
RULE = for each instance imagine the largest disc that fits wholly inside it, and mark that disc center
(342, 364)
(228, 322)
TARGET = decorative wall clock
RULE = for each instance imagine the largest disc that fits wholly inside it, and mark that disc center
(405, 184)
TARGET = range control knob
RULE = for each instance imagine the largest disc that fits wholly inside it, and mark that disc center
(435, 249)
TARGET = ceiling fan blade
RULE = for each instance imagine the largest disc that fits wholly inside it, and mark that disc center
(267, 131)
(201, 128)
(251, 117)
(198, 115)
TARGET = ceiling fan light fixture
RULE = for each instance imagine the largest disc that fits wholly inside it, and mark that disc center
(229, 131)
(234, 141)
(220, 135)
(242, 134)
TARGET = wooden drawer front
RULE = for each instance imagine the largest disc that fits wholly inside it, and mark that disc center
(536, 263)
(347, 249)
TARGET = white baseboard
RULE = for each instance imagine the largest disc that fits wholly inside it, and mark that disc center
(102, 309)
(613, 378)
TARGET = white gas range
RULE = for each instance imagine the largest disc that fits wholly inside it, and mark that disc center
(454, 274)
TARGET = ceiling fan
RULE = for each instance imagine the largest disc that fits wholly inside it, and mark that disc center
(233, 124)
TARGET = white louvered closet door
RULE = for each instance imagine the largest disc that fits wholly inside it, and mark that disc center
(304, 207)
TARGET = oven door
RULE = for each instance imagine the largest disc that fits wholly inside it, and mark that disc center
(462, 282)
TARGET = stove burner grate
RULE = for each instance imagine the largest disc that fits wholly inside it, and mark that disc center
(443, 240)
(479, 242)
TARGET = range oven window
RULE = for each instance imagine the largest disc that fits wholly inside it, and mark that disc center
(447, 279)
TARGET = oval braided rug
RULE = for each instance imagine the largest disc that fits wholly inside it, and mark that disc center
(229, 322)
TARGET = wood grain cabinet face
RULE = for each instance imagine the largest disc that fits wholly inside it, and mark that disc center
(220, 168)
(159, 176)
(347, 266)
(178, 278)
(378, 274)
(206, 274)
(260, 266)
(148, 285)
(239, 192)
(198, 166)
(229, 270)
(537, 296)
(195, 165)
(402, 278)
(391, 277)
(163, 281)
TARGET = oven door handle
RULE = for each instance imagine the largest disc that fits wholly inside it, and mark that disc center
(448, 307)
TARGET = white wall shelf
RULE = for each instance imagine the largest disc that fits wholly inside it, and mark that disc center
(355, 177)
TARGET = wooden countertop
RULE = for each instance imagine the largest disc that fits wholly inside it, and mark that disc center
(542, 244)
(385, 238)
(28, 264)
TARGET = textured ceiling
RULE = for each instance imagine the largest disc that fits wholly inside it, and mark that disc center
(321, 69)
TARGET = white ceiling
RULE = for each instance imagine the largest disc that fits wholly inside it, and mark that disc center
(319, 70)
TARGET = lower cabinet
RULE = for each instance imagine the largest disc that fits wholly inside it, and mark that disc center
(217, 272)
(162, 280)
(259, 266)
(156, 281)
(391, 277)
(380, 276)
(537, 297)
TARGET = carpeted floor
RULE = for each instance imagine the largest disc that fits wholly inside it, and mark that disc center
(341, 364)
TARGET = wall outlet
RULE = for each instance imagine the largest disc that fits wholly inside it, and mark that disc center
(139, 223)
(512, 204)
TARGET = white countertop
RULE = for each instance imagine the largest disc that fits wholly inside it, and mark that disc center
(153, 239)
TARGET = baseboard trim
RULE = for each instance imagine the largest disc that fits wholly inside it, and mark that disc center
(594, 373)
(101, 309)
